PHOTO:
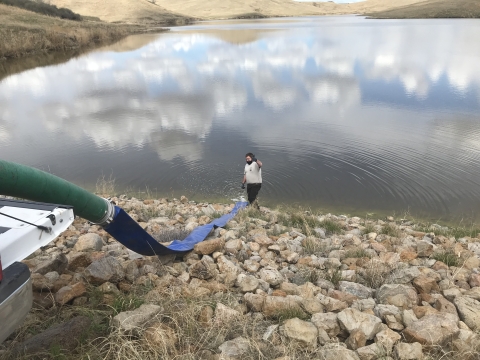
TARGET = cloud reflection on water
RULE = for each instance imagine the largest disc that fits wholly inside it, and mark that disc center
(309, 90)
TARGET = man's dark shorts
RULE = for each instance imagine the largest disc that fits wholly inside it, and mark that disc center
(252, 191)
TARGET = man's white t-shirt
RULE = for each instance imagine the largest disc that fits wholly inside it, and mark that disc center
(253, 173)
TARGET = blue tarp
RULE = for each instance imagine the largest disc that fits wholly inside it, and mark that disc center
(130, 234)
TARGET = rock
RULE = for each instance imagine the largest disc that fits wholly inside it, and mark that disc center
(402, 296)
(247, 283)
(352, 319)
(469, 311)
(132, 321)
(275, 306)
(331, 304)
(160, 336)
(65, 336)
(103, 270)
(443, 305)
(312, 306)
(56, 263)
(425, 284)
(472, 263)
(342, 296)
(191, 226)
(358, 290)
(301, 331)
(251, 266)
(41, 283)
(130, 268)
(234, 349)
(387, 338)
(226, 266)
(320, 232)
(254, 302)
(391, 315)
(225, 315)
(269, 332)
(452, 293)
(109, 288)
(408, 317)
(293, 258)
(405, 275)
(408, 351)
(88, 242)
(68, 293)
(371, 352)
(202, 269)
(271, 276)
(474, 280)
(327, 322)
(433, 329)
(208, 247)
(233, 246)
(356, 340)
(78, 260)
(336, 352)
(364, 304)
(424, 248)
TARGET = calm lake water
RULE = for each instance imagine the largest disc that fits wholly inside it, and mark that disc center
(347, 114)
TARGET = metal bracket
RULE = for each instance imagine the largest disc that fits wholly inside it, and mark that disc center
(53, 219)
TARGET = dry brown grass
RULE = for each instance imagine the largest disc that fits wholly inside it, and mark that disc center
(141, 11)
(23, 32)
(127, 11)
(433, 9)
(181, 334)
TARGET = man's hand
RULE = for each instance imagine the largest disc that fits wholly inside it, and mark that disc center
(243, 185)
(254, 159)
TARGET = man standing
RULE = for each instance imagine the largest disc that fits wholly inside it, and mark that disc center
(253, 177)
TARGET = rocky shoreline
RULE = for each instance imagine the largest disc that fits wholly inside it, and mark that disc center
(270, 285)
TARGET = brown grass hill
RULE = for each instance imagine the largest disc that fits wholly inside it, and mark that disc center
(24, 32)
(125, 11)
(145, 11)
(433, 9)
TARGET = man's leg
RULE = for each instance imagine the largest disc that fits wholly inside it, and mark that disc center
(252, 190)
(251, 193)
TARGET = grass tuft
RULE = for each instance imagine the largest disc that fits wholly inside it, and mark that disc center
(291, 313)
(390, 230)
(448, 257)
(357, 253)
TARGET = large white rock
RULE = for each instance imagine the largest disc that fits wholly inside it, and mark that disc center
(469, 311)
(271, 276)
(89, 242)
(352, 319)
(132, 321)
(409, 351)
(302, 331)
(234, 349)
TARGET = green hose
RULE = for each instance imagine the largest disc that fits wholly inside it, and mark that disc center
(28, 183)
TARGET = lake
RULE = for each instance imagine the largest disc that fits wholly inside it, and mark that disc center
(347, 114)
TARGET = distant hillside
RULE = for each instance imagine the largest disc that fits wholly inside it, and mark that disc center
(433, 9)
(175, 11)
(43, 8)
(127, 11)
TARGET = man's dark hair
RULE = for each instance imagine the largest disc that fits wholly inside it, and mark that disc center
(250, 154)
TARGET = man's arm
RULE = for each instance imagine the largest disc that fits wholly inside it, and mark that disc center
(244, 179)
(259, 163)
